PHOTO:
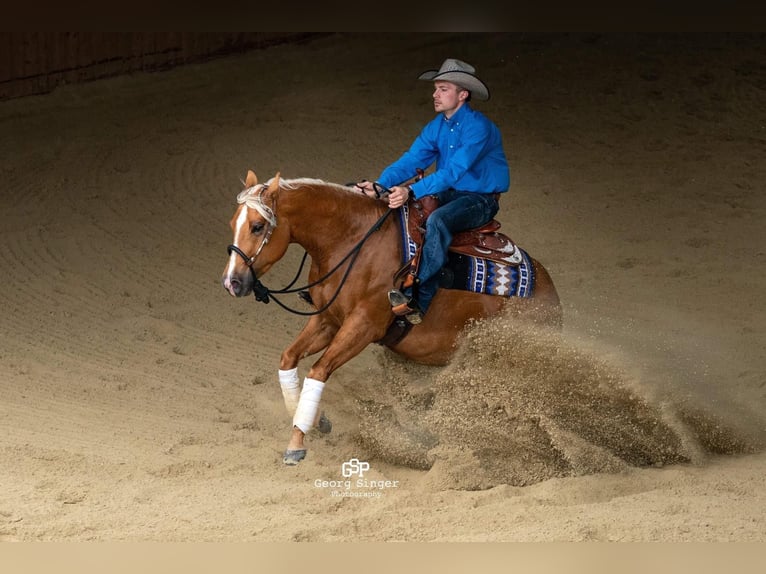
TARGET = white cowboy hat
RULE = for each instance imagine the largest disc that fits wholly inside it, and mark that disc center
(459, 73)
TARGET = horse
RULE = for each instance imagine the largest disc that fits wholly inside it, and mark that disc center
(355, 251)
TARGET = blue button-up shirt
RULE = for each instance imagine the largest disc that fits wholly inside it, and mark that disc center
(467, 149)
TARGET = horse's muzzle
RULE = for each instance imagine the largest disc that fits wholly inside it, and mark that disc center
(238, 285)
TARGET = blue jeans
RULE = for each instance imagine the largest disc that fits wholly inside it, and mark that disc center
(457, 211)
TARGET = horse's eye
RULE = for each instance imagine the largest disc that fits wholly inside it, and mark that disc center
(256, 228)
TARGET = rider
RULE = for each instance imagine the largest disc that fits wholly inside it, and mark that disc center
(471, 168)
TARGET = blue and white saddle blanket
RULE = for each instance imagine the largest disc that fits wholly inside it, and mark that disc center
(476, 274)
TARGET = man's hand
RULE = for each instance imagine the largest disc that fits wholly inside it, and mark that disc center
(366, 188)
(398, 196)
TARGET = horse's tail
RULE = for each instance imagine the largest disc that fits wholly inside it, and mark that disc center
(546, 296)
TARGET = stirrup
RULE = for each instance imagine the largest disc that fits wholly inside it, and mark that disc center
(403, 306)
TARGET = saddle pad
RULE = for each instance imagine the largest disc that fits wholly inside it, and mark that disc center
(476, 274)
(479, 275)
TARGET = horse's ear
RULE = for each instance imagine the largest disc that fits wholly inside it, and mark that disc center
(274, 186)
(251, 180)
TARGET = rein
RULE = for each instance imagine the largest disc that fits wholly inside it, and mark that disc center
(263, 293)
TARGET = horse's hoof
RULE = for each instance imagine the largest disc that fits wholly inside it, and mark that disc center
(293, 457)
(324, 425)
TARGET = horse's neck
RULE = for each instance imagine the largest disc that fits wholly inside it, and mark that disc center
(326, 220)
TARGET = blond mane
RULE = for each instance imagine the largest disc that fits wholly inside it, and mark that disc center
(252, 196)
(295, 183)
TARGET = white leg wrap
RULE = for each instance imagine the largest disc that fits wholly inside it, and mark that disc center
(308, 406)
(291, 389)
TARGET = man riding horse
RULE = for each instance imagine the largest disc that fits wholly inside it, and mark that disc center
(471, 171)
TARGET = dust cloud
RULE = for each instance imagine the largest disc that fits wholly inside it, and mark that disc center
(519, 405)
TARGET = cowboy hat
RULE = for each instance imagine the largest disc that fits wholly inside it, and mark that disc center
(459, 73)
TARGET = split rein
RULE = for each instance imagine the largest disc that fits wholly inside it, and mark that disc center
(264, 294)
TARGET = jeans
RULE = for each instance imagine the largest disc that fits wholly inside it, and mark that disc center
(457, 211)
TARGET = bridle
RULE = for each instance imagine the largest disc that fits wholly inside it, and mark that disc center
(260, 291)
(263, 293)
(251, 197)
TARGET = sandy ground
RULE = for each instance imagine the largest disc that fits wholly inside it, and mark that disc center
(140, 402)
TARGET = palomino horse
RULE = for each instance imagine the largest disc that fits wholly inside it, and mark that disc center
(329, 220)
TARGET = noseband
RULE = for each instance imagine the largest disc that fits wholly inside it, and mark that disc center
(260, 291)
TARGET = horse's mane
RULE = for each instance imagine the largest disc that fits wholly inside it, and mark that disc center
(252, 196)
(298, 182)
(291, 184)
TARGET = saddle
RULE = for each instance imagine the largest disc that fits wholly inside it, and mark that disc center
(485, 241)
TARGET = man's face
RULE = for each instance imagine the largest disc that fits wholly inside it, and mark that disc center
(448, 97)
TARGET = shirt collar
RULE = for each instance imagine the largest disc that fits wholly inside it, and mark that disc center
(459, 115)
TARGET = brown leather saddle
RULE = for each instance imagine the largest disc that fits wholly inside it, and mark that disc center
(485, 241)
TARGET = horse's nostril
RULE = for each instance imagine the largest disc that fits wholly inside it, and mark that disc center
(232, 285)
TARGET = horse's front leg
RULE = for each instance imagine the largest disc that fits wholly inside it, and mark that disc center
(314, 337)
(351, 339)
